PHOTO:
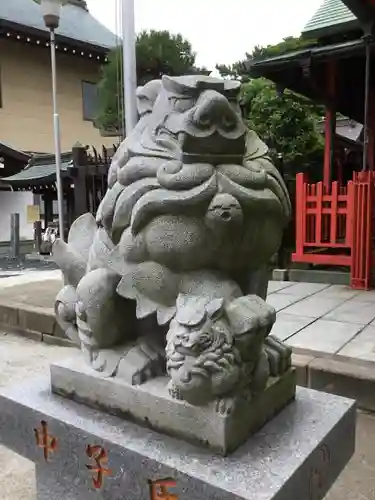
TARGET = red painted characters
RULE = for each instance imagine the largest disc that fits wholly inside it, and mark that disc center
(100, 456)
(45, 440)
(159, 489)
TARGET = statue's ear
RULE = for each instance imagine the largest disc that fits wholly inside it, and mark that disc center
(169, 83)
(177, 85)
(147, 95)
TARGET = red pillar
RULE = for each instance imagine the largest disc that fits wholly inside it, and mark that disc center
(371, 131)
(330, 124)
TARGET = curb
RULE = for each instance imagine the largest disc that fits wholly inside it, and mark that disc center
(347, 377)
(311, 276)
(36, 323)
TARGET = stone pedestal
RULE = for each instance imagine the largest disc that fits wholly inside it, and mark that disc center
(82, 453)
(221, 426)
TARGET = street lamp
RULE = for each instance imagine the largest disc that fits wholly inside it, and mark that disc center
(51, 10)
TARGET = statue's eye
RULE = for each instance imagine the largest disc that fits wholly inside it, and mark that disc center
(182, 104)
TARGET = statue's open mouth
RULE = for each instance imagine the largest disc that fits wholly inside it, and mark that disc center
(214, 148)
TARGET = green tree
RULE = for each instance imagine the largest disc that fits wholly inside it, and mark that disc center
(288, 123)
(240, 68)
(158, 53)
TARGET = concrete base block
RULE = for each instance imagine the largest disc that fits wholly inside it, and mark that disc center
(317, 276)
(221, 426)
(280, 275)
(82, 453)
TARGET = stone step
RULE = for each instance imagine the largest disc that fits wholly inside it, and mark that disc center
(348, 377)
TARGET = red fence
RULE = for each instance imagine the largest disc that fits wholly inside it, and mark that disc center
(323, 223)
(335, 226)
(363, 230)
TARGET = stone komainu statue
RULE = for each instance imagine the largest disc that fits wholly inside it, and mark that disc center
(170, 276)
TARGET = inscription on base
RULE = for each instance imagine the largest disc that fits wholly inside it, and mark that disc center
(99, 455)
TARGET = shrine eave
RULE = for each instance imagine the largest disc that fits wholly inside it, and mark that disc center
(260, 67)
(41, 170)
(305, 72)
(8, 150)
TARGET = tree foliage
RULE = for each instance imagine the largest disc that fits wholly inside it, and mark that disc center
(240, 68)
(157, 53)
(286, 121)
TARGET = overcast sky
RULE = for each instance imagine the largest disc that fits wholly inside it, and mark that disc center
(220, 31)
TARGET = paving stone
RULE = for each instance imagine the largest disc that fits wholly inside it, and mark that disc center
(361, 313)
(305, 289)
(365, 296)
(313, 307)
(362, 346)
(39, 293)
(281, 301)
(324, 336)
(275, 286)
(288, 324)
(338, 291)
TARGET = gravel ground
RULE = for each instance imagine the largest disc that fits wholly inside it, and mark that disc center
(21, 359)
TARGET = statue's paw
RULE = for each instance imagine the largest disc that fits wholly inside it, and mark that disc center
(279, 355)
(249, 314)
(225, 405)
(141, 363)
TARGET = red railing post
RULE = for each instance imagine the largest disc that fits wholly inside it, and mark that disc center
(319, 213)
(362, 231)
(334, 213)
(300, 212)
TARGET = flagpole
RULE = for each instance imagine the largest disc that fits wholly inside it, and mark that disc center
(129, 65)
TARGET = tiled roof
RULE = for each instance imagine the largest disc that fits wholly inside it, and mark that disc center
(331, 14)
(7, 149)
(76, 22)
(41, 169)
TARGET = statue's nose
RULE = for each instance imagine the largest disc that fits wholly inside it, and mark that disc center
(214, 109)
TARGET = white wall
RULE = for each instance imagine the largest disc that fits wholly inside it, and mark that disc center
(13, 202)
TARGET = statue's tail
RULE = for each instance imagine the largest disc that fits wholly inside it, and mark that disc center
(72, 258)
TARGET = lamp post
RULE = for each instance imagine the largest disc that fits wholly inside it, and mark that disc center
(51, 10)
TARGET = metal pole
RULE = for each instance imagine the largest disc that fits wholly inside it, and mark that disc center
(367, 97)
(38, 235)
(129, 62)
(56, 130)
(15, 235)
